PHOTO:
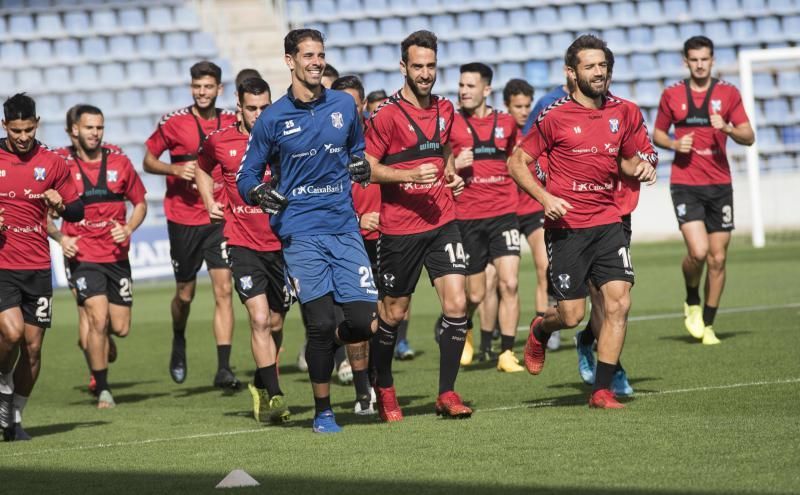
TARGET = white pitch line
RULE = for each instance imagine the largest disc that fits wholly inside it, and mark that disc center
(667, 316)
(532, 405)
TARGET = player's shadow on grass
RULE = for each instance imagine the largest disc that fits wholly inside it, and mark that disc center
(120, 385)
(43, 431)
(587, 389)
(691, 340)
(183, 393)
(123, 398)
(248, 413)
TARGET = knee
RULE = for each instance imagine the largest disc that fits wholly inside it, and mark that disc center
(183, 299)
(476, 295)
(393, 314)
(13, 333)
(359, 324)
(34, 351)
(716, 261)
(260, 323)
(698, 255)
(617, 307)
(570, 318)
(223, 291)
(509, 287)
(275, 321)
(121, 330)
(455, 305)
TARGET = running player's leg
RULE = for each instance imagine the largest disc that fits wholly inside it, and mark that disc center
(504, 252)
(12, 331)
(215, 254)
(719, 224)
(26, 372)
(453, 332)
(97, 313)
(488, 308)
(696, 239)
(475, 239)
(268, 398)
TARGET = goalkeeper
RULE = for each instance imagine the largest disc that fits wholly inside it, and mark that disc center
(312, 138)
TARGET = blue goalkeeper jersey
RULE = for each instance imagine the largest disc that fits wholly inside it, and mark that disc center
(308, 148)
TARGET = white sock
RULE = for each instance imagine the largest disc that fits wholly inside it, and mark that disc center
(7, 383)
(19, 404)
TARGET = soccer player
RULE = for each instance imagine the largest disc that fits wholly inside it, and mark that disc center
(254, 251)
(193, 238)
(408, 149)
(482, 138)
(705, 112)
(555, 94)
(329, 74)
(583, 134)
(374, 99)
(33, 180)
(312, 138)
(99, 269)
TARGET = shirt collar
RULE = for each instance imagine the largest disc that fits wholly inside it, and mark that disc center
(301, 104)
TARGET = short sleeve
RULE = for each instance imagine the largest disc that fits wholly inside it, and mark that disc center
(62, 181)
(664, 117)
(737, 114)
(206, 156)
(134, 188)
(157, 143)
(378, 134)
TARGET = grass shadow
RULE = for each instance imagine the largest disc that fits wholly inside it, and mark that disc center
(45, 430)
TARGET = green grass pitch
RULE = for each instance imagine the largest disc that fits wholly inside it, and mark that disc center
(722, 419)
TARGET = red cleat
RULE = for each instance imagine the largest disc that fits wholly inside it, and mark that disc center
(449, 405)
(388, 408)
(534, 350)
(92, 385)
(604, 399)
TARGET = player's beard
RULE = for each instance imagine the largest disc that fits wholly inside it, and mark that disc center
(246, 125)
(212, 103)
(87, 148)
(585, 85)
(418, 92)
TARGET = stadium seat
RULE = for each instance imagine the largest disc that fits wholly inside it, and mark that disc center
(296, 9)
(777, 111)
(7, 81)
(139, 72)
(416, 22)
(49, 24)
(177, 44)
(186, 17)
(159, 17)
(782, 163)
(469, 22)
(139, 128)
(93, 48)
(742, 29)
(623, 12)
(689, 29)
(203, 44)
(29, 79)
(622, 68)
(791, 26)
(52, 134)
(648, 93)
(718, 31)
(780, 6)
(389, 29)
(666, 37)
(556, 71)
(640, 36)
(495, 21)
(754, 7)
(333, 54)
(67, 50)
(506, 71)
(573, 16)
(622, 90)
(70, 99)
(157, 99)
(459, 51)
(40, 51)
(121, 47)
(767, 137)
(521, 20)
(676, 10)
(323, 8)
(104, 21)
(725, 56)
(597, 12)
(536, 72)
(511, 47)
(56, 77)
(103, 100)
(131, 19)
(179, 96)
(559, 42)
(352, 54)
(115, 130)
(484, 49)
(649, 11)
(84, 76)
(339, 32)
(536, 43)
(375, 80)
(729, 6)
(112, 75)
(547, 16)
(763, 86)
(12, 53)
(644, 64)
(615, 38)
(670, 63)
(166, 71)
(148, 44)
(388, 55)
(450, 78)
(443, 23)
(789, 83)
(76, 22)
(48, 106)
(130, 102)
(21, 25)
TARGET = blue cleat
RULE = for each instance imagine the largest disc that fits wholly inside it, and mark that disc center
(620, 385)
(325, 422)
(403, 351)
(586, 362)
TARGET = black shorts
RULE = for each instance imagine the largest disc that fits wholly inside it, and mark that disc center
(190, 245)
(31, 291)
(68, 273)
(260, 272)
(488, 239)
(711, 204)
(577, 256)
(530, 222)
(371, 245)
(401, 257)
(112, 280)
(627, 229)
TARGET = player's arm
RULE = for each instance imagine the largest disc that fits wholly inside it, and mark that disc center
(518, 168)
(383, 174)
(153, 165)
(205, 183)
(638, 157)
(742, 134)
(452, 179)
(69, 244)
(121, 232)
(249, 178)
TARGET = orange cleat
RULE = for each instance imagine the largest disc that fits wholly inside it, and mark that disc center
(604, 399)
(449, 405)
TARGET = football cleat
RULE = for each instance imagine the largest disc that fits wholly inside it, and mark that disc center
(6, 409)
(534, 350)
(302, 365)
(604, 399)
(709, 337)
(177, 361)
(226, 380)
(694, 320)
(508, 362)
(467, 353)
(388, 408)
(620, 385)
(345, 373)
(277, 410)
(403, 351)
(112, 350)
(15, 433)
(260, 397)
(105, 400)
(554, 342)
(586, 362)
(449, 405)
(364, 406)
(325, 422)
(485, 355)
(92, 385)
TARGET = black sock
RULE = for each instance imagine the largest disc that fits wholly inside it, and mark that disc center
(223, 357)
(603, 375)
(277, 337)
(587, 336)
(540, 313)
(402, 330)
(486, 340)
(538, 334)
(178, 333)
(101, 379)
(339, 357)
(619, 367)
(692, 295)
(321, 404)
(268, 377)
(469, 322)
(361, 382)
(709, 314)
(451, 345)
(381, 350)
(507, 342)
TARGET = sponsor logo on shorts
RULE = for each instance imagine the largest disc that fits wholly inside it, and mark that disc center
(246, 282)
(388, 280)
(314, 189)
(337, 120)
(681, 209)
(563, 281)
(81, 283)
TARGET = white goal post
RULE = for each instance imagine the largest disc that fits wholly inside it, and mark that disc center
(746, 60)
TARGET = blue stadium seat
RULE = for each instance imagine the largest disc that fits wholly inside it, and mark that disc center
(622, 68)
(521, 20)
(450, 77)
(131, 19)
(443, 23)
(506, 71)
(375, 80)
(180, 96)
(157, 99)
(166, 71)
(339, 31)
(547, 16)
(484, 49)
(40, 50)
(780, 6)
(537, 72)
(348, 6)
(621, 89)
(556, 71)
(796, 105)
(366, 30)
(536, 43)
(49, 24)
(70, 99)
(323, 8)
(52, 135)
(733, 79)
(559, 42)
(648, 93)
(138, 72)
(650, 11)
(666, 36)
(728, 6)
(94, 47)
(48, 106)
(676, 9)
(104, 21)
(389, 55)
(725, 56)
(623, 12)
(378, 8)
(572, 15)
(139, 128)
(84, 76)
(777, 111)
(644, 64)
(791, 26)
(754, 7)
(459, 51)
(782, 163)
(640, 36)
(204, 44)
(333, 53)
(103, 99)
(20, 25)
(416, 22)
(148, 44)
(186, 16)
(766, 136)
(742, 29)
(763, 86)
(670, 62)
(121, 46)
(67, 50)
(511, 47)
(689, 29)
(789, 83)
(296, 9)
(112, 75)
(718, 31)
(353, 54)
(29, 79)
(469, 22)
(7, 81)
(12, 53)
(159, 17)
(496, 20)
(177, 43)
(596, 12)
(615, 38)
(76, 21)
(115, 130)
(56, 77)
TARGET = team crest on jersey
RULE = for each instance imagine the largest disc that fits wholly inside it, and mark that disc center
(111, 175)
(716, 105)
(613, 124)
(246, 282)
(39, 173)
(499, 133)
(81, 283)
(563, 281)
(337, 120)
